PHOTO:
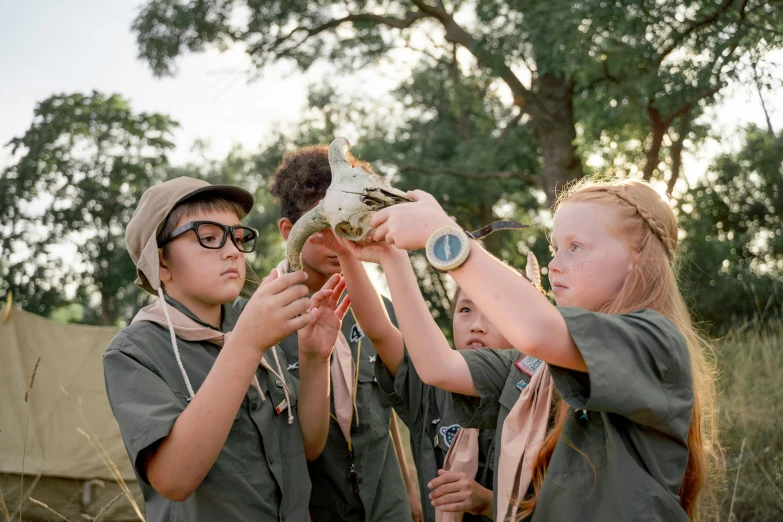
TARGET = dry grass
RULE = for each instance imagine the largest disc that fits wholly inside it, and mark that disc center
(750, 362)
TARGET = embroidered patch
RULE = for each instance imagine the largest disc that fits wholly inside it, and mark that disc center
(372, 358)
(280, 408)
(356, 334)
(294, 366)
(521, 385)
(529, 364)
(448, 433)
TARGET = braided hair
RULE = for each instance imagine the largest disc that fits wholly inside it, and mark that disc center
(646, 222)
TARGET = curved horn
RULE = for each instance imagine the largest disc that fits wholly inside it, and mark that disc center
(338, 151)
(304, 227)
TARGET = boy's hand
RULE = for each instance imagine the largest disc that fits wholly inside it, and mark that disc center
(276, 310)
(455, 491)
(317, 339)
(370, 251)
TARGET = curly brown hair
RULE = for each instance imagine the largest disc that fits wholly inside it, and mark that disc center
(302, 178)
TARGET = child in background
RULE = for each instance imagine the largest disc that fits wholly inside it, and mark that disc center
(358, 475)
(438, 439)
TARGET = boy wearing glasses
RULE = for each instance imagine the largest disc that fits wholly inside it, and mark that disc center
(210, 418)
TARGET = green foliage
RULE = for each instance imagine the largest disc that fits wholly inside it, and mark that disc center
(734, 244)
(80, 170)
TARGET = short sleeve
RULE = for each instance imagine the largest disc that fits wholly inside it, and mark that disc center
(489, 369)
(405, 390)
(143, 404)
(637, 367)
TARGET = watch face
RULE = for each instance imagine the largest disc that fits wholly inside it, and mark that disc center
(447, 248)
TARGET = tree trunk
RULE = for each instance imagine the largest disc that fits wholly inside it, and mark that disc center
(654, 152)
(552, 119)
(685, 124)
(105, 314)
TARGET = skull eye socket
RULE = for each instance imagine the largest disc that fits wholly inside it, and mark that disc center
(346, 230)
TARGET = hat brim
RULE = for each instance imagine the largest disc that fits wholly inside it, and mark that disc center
(240, 196)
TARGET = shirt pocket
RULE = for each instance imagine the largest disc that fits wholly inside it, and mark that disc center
(590, 439)
(371, 404)
(289, 435)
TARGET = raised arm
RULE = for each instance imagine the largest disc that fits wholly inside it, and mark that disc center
(178, 464)
(436, 363)
(367, 303)
(524, 316)
(316, 342)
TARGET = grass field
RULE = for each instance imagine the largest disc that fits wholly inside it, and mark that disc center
(750, 381)
(750, 364)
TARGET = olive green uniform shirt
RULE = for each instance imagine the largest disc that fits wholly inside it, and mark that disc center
(261, 472)
(433, 424)
(637, 396)
(382, 494)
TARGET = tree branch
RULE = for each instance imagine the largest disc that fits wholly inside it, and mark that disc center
(396, 23)
(685, 124)
(501, 174)
(695, 26)
(457, 35)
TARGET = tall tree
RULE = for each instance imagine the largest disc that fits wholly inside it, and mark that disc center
(660, 60)
(79, 172)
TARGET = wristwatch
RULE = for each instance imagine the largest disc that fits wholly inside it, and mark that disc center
(448, 248)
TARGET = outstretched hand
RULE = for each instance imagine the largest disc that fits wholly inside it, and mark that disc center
(409, 225)
(318, 337)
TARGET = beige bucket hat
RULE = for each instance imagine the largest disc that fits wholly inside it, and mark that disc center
(154, 207)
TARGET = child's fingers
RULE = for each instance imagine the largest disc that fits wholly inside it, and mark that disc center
(296, 308)
(343, 308)
(381, 232)
(319, 297)
(281, 283)
(450, 498)
(296, 323)
(445, 489)
(444, 477)
(314, 314)
(336, 294)
(454, 507)
(290, 294)
(380, 217)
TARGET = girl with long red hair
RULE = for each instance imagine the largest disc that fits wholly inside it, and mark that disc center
(630, 438)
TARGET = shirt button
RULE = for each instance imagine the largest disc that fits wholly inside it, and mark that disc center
(269, 460)
(254, 406)
(282, 517)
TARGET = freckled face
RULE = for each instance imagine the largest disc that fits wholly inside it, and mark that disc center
(472, 329)
(590, 262)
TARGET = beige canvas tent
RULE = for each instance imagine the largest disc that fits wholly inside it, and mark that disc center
(74, 456)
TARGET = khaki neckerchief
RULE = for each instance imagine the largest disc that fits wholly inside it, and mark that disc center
(461, 457)
(522, 436)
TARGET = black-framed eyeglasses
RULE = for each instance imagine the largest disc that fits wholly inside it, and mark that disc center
(213, 235)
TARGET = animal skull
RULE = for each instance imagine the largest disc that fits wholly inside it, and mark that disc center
(351, 200)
